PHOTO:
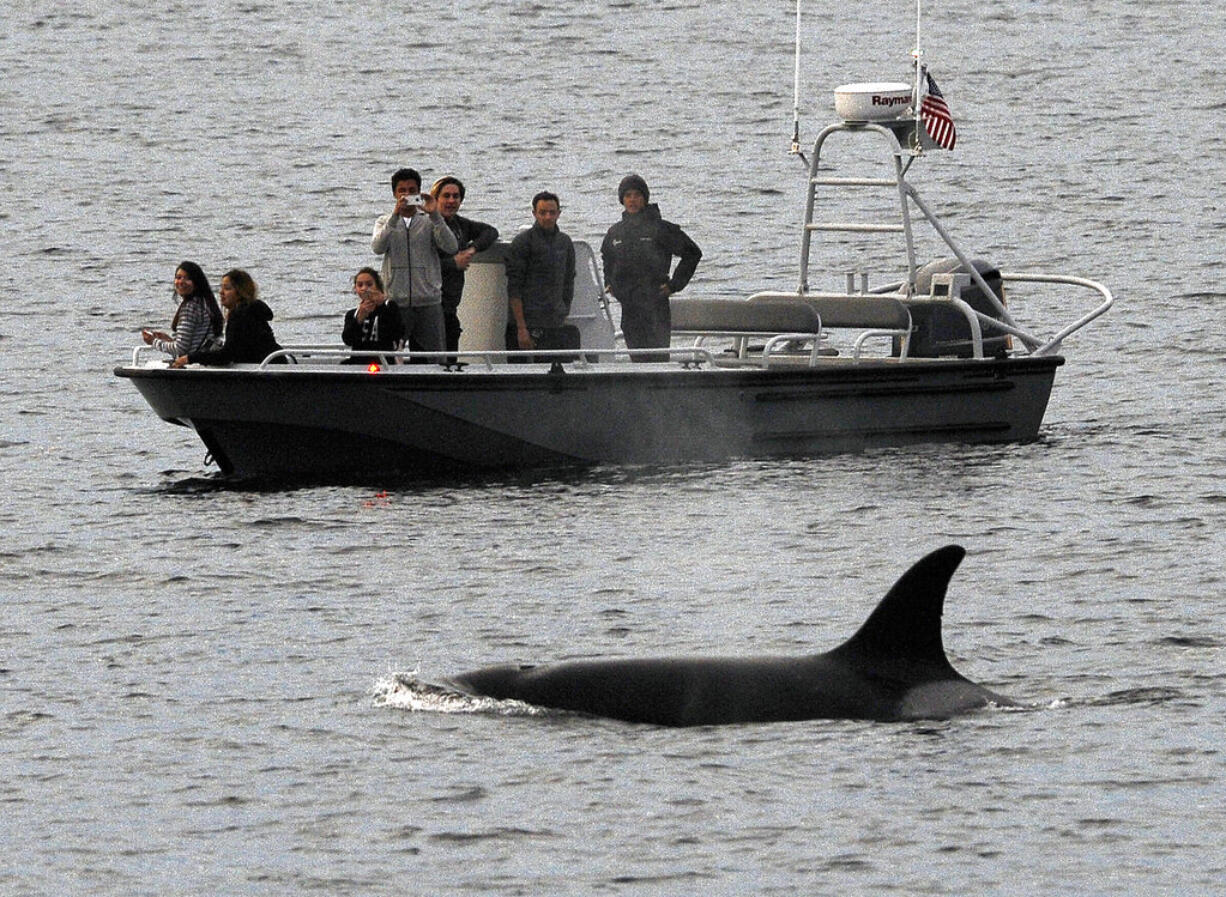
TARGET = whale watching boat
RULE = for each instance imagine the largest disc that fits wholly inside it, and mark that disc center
(933, 355)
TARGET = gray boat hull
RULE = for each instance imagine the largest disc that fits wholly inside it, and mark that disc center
(293, 421)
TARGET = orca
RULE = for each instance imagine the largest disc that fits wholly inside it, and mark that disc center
(893, 669)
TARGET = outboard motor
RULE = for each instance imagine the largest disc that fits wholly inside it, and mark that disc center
(939, 330)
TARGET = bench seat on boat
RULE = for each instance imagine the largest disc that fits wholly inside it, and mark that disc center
(863, 312)
(873, 315)
(778, 314)
(736, 317)
(778, 323)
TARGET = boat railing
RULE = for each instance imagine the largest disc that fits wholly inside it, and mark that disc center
(1001, 320)
(953, 284)
(488, 358)
(787, 322)
(777, 345)
(138, 351)
(781, 324)
(1035, 344)
(1053, 345)
(298, 353)
(876, 317)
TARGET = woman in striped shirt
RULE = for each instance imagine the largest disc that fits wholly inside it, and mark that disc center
(197, 323)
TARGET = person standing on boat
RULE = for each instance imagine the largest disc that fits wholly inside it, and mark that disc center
(375, 325)
(249, 337)
(409, 238)
(637, 253)
(197, 322)
(473, 237)
(540, 279)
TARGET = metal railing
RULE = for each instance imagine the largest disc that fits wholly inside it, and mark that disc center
(1002, 321)
(1053, 344)
(455, 360)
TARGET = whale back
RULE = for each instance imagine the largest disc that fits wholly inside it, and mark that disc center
(893, 668)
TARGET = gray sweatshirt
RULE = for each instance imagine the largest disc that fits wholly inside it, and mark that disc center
(409, 246)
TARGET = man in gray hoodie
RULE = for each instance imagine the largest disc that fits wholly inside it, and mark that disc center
(409, 239)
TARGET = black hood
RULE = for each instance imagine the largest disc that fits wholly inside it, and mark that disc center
(257, 309)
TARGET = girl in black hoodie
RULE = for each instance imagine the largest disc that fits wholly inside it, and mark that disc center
(249, 337)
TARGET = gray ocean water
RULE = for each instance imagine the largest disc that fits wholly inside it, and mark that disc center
(201, 686)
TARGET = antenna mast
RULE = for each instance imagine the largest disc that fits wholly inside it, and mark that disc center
(917, 55)
(795, 151)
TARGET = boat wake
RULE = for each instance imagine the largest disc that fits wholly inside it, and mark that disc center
(393, 480)
(1150, 696)
(406, 691)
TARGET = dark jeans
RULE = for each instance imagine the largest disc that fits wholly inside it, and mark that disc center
(564, 337)
(423, 325)
(647, 324)
(451, 325)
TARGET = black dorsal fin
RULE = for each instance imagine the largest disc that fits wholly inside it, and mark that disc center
(906, 626)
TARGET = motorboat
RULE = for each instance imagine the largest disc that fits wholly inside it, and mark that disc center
(934, 354)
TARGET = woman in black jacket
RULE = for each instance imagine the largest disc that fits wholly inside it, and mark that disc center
(249, 337)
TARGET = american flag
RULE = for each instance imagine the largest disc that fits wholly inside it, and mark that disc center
(937, 121)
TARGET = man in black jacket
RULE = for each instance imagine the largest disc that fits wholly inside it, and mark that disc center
(540, 280)
(637, 253)
(473, 237)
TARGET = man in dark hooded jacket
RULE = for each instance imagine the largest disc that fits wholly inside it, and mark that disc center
(637, 253)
